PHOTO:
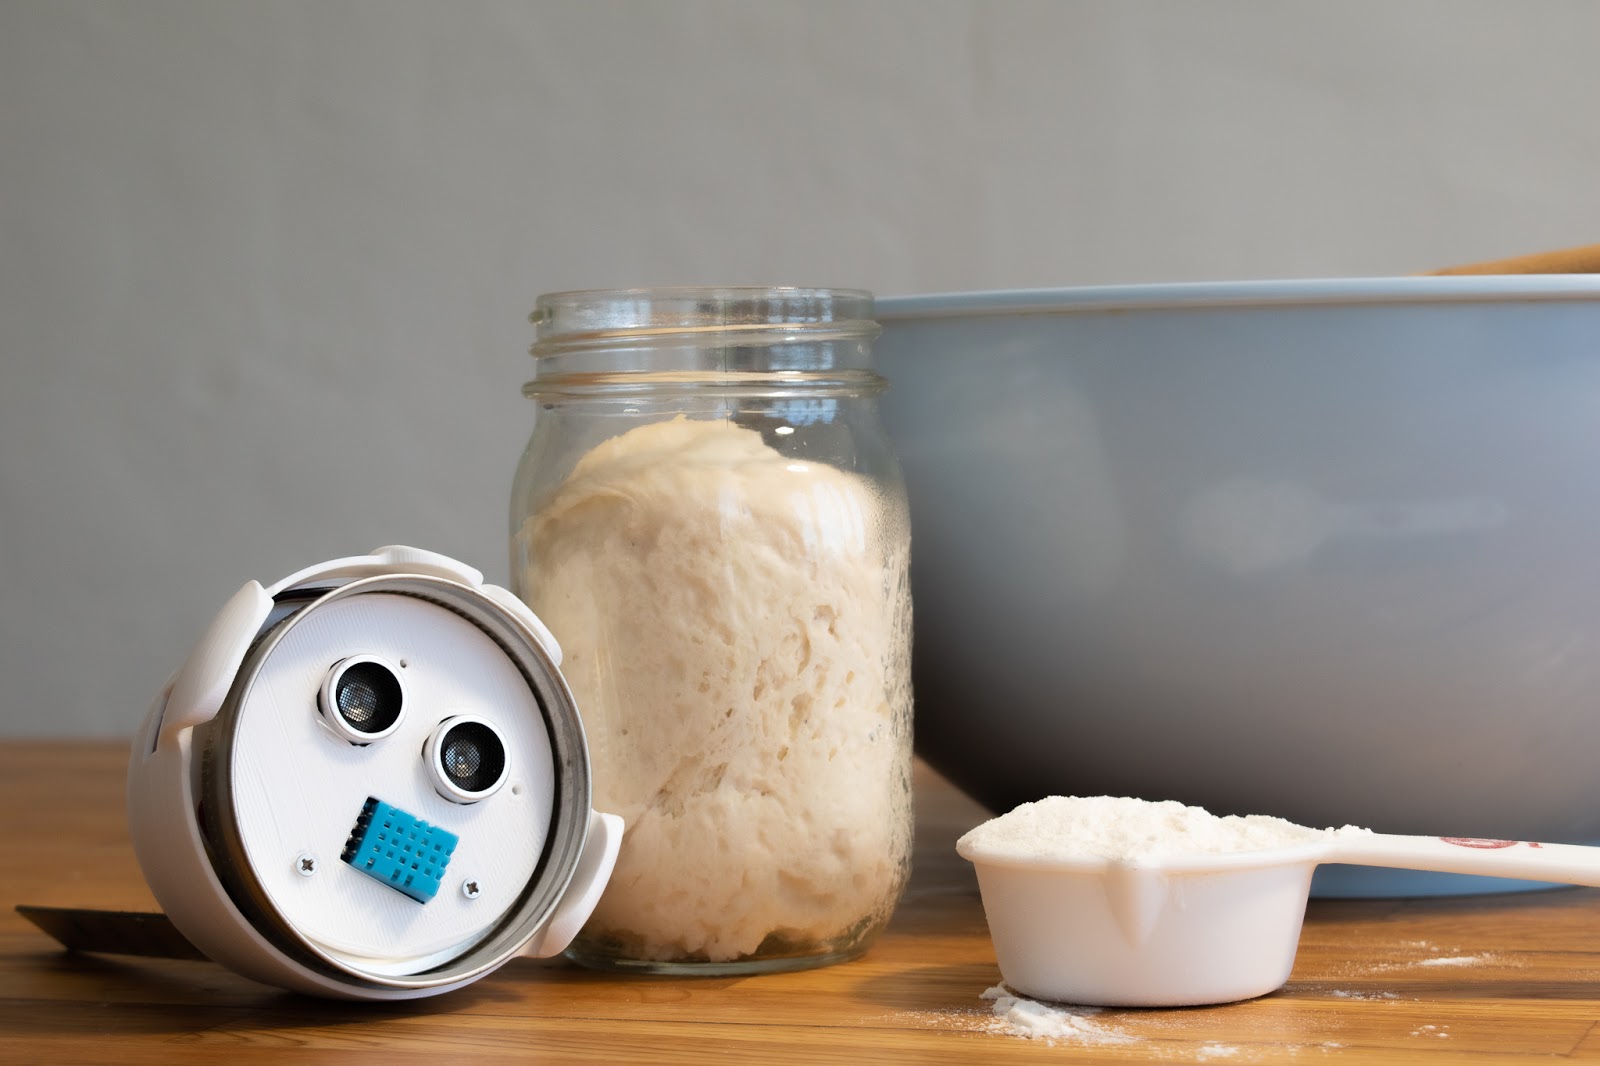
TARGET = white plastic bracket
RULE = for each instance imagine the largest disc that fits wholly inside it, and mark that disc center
(201, 685)
(393, 559)
(599, 858)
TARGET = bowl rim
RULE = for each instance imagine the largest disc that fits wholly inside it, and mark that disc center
(1296, 292)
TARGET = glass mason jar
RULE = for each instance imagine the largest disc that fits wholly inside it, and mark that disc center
(710, 520)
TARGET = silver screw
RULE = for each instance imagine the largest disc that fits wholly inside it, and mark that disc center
(471, 889)
(305, 864)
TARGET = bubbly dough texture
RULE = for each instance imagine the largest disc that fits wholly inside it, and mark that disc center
(736, 629)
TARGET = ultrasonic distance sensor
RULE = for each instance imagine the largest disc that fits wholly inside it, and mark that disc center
(466, 757)
(363, 699)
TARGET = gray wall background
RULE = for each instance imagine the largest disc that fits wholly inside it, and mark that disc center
(265, 267)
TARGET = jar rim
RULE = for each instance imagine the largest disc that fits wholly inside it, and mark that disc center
(584, 318)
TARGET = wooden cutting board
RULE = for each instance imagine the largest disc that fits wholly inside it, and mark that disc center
(1496, 978)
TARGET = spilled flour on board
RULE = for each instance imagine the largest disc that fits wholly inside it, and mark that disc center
(1343, 993)
(1458, 960)
(1437, 958)
(1021, 1016)
(1164, 1036)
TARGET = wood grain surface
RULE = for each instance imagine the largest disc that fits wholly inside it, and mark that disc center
(1494, 978)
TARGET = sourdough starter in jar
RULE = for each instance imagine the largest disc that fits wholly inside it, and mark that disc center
(735, 615)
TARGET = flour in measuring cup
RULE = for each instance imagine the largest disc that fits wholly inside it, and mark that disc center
(1123, 829)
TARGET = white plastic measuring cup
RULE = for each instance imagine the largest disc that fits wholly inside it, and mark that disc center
(1212, 928)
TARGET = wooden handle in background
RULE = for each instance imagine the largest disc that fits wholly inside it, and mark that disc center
(1584, 260)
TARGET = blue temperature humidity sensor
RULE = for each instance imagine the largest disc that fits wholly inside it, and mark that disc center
(399, 849)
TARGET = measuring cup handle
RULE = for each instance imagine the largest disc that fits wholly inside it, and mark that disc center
(1529, 860)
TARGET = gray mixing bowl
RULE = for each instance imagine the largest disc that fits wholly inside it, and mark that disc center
(1328, 550)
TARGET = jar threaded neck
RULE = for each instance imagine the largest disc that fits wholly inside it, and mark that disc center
(741, 316)
(750, 342)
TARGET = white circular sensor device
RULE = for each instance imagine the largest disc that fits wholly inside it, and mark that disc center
(370, 781)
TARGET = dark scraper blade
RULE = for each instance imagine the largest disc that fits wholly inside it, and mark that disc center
(113, 932)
